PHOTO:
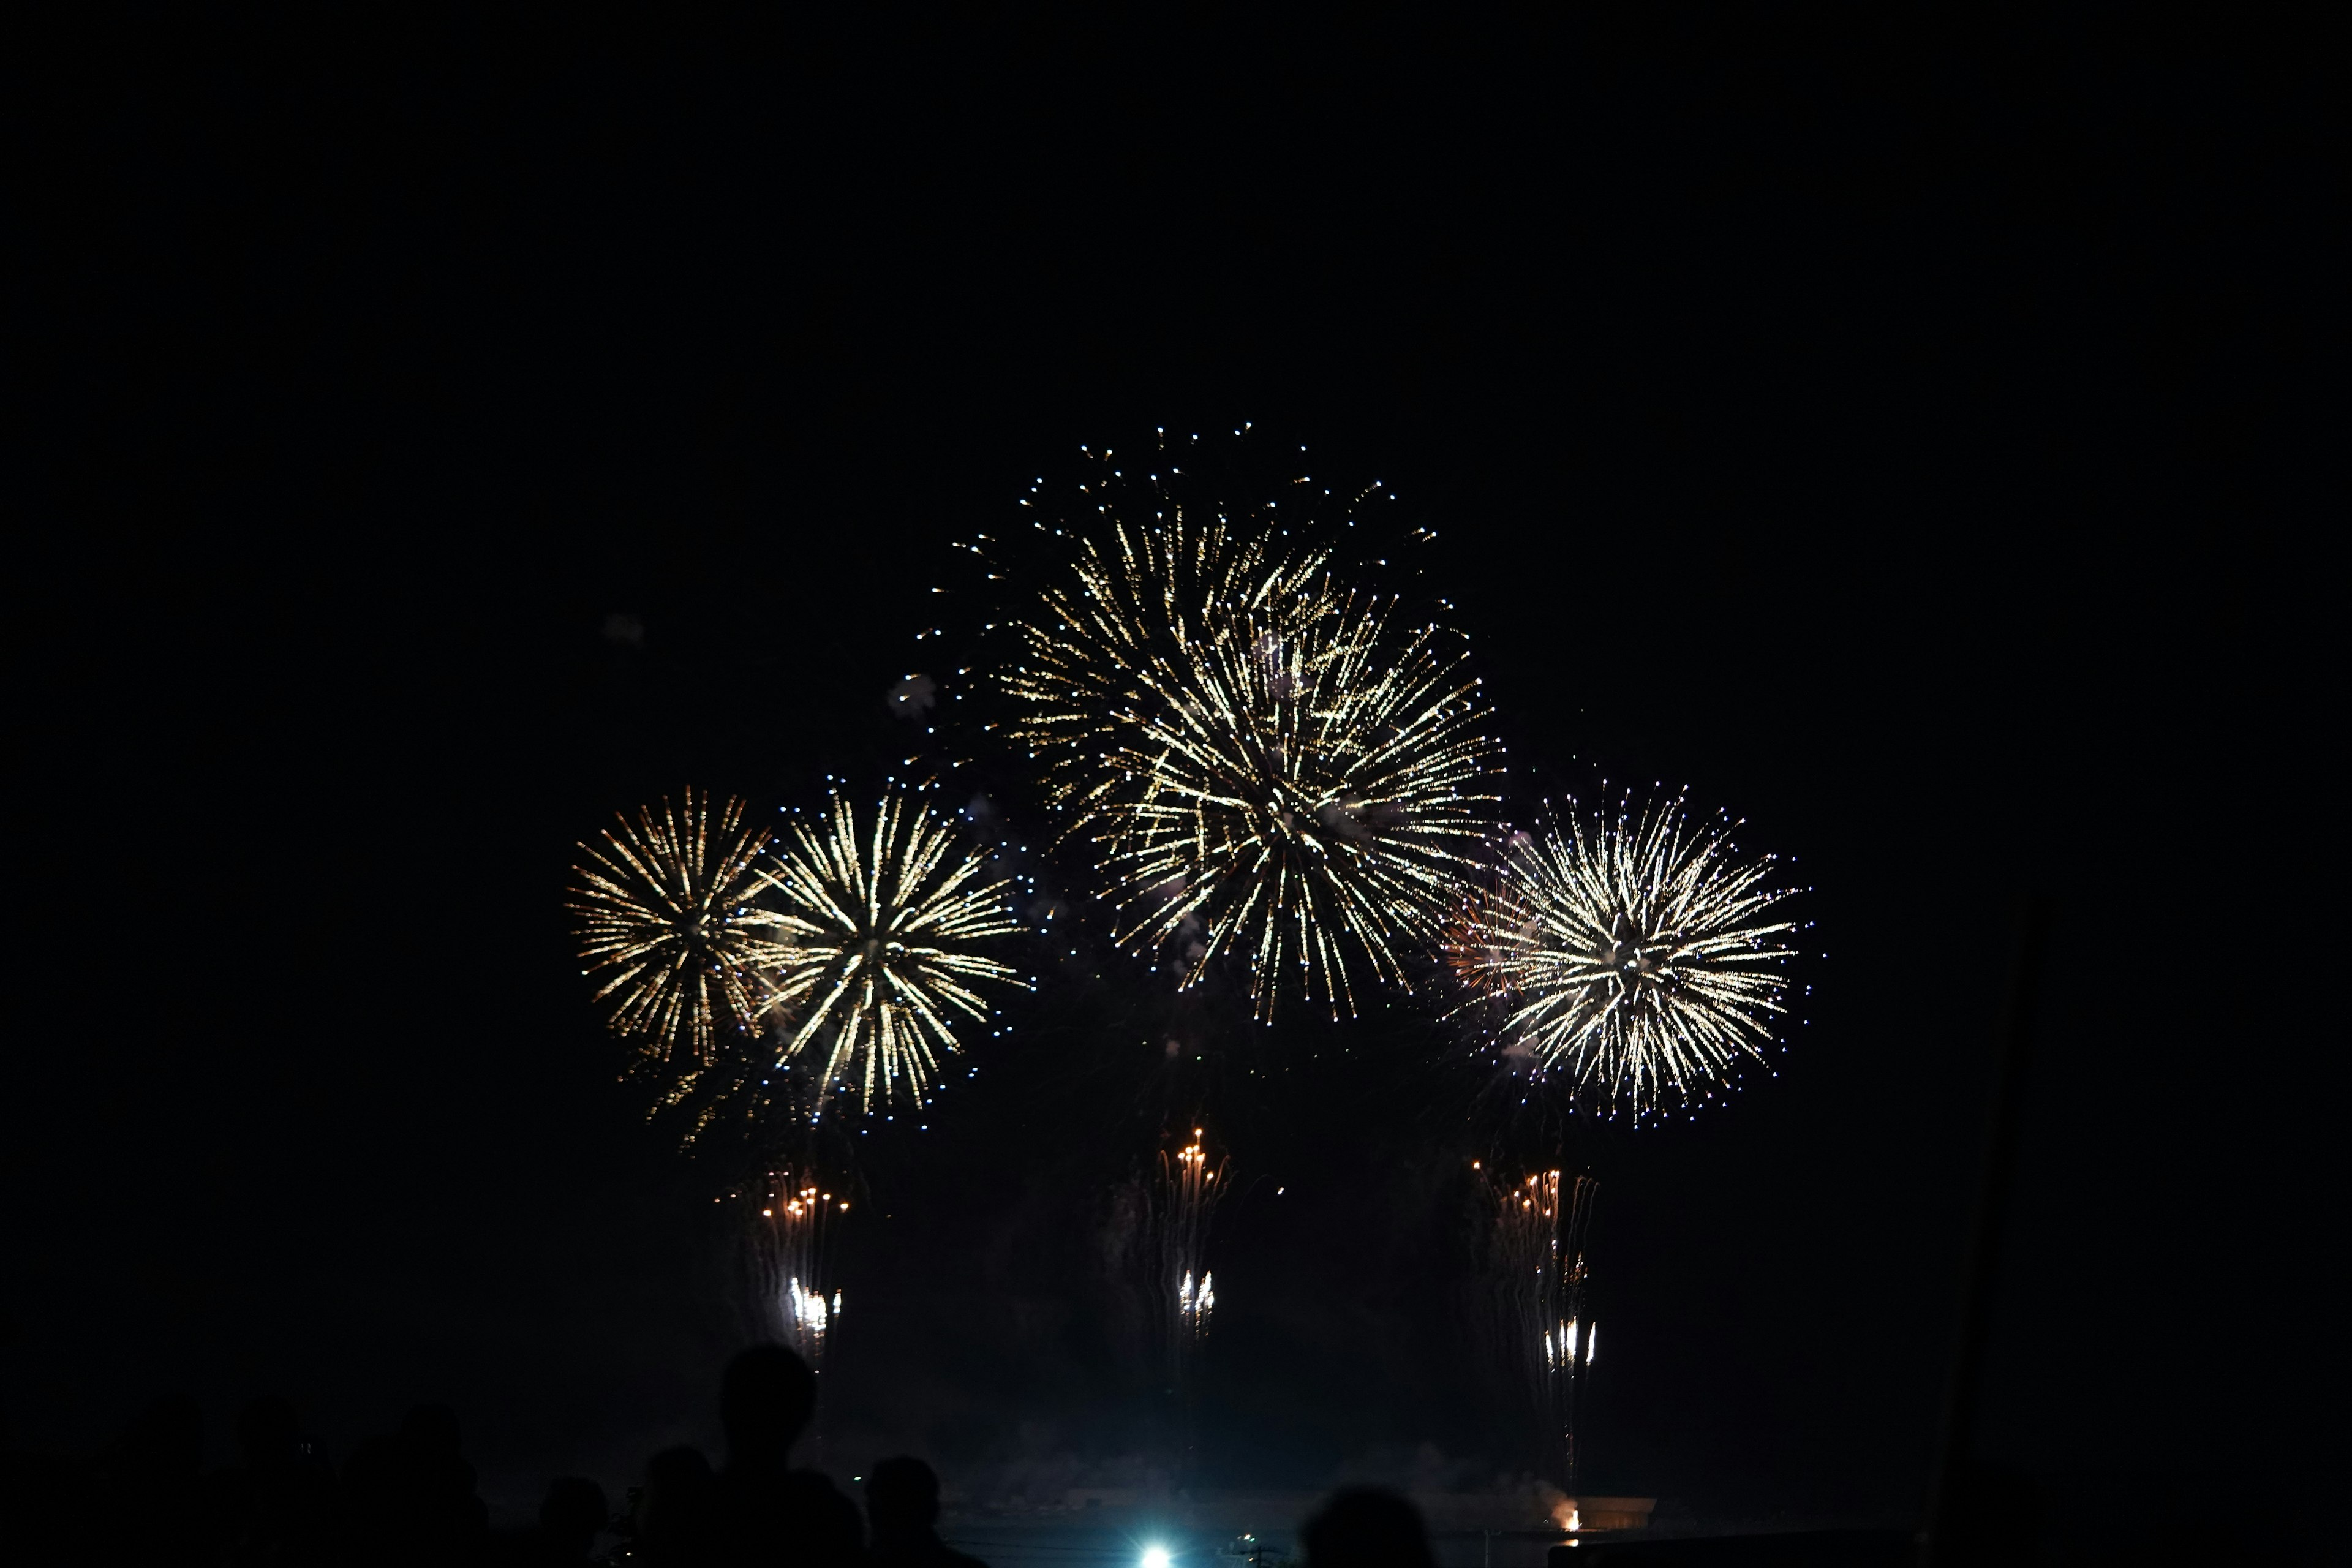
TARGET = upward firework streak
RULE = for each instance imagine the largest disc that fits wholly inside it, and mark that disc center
(1631, 955)
(1568, 1347)
(1521, 1242)
(1189, 1188)
(1266, 763)
(882, 930)
(668, 929)
(788, 1264)
(1536, 1267)
(1158, 1238)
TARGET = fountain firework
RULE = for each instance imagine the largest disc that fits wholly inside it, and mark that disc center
(1158, 1240)
(789, 1263)
(1540, 1301)
(1189, 1189)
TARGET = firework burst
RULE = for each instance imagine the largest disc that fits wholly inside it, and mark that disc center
(1267, 763)
(1635, 955)
(882, 928)
(680, 953)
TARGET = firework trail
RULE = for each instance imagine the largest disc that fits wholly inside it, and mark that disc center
(1267, 763)
(1569, 1346)
(1166, 1231)
(789, 1262)
(1537, 1280)
(1522, 1231)
(881, 929)
(1635, 956)
(1190, 1187)
(1158, 1238)
(665, 924)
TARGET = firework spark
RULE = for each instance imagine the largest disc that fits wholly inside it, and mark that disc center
(665, 924)
(789, 1263)
(1636, 956)
(1522, 1237)
(1189, 1188)
(1538, 1281)
(1266, 763)
(1570, 1305)
(882, 929)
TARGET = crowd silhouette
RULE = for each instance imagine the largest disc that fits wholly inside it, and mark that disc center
(408, 1497)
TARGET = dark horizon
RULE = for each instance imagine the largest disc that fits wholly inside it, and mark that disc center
(1919, 404)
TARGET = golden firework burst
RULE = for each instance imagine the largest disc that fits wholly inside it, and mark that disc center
(883, 928)
(1266, 761)
(679, 952)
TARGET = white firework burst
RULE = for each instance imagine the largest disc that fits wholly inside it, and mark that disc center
(1633, 954)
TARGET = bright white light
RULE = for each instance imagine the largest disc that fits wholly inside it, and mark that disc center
(1155, 1557)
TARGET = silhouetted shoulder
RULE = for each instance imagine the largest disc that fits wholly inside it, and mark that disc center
(791, 1518)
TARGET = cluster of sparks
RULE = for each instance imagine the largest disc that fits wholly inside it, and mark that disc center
(1271, 767)
(885, 930)
(1190, 1187)
(789, 1264)
(1267, 763)
(1195, 1306)
(729, 953)
(1275, 770)
(1539, 1277)
(664, 911)
(1522, 1240)
(1633, 954)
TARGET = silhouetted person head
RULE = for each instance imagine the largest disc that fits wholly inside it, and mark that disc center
(270, 1433)
(765, 1403)
(1364, 1526)
(902, 1499)
(902, 1505)
(570, 1518)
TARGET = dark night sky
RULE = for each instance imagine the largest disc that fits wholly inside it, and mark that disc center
(1866, 429)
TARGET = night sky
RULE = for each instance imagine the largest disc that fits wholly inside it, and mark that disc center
(1878, 434)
